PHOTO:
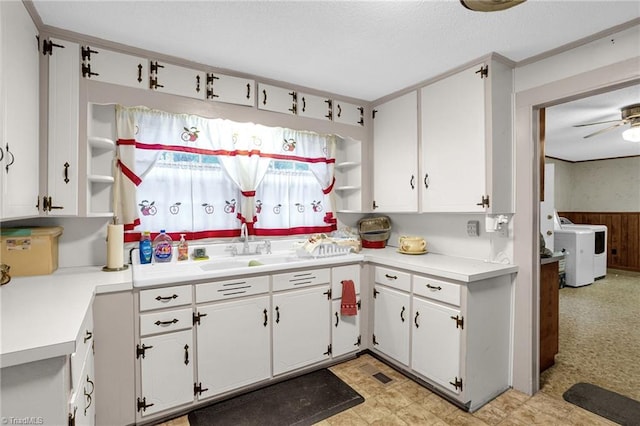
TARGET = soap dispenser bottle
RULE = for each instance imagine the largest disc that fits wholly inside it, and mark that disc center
(162, 247)
(183, 248)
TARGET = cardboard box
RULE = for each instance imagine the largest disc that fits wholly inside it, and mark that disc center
(30, 251)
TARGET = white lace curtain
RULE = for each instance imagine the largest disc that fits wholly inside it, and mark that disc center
(186, 173)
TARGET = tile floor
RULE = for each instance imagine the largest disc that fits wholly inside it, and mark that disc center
(599, 336)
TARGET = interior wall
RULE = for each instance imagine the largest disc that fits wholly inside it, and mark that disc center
(611, 185)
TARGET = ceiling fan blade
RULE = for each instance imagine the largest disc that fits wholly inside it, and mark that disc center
(604, 130)
(597, 122)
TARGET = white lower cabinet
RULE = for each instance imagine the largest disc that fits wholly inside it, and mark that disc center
(233, 345)
(300, 328)
(345, 329)
(166, 370)
(82, 406)
(435, 351)
(391, 323)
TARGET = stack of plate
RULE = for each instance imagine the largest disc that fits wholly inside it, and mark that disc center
(374, 231)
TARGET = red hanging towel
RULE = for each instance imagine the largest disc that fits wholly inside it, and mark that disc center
(349, 306)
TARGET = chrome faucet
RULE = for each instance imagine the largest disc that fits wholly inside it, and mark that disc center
(244, 237)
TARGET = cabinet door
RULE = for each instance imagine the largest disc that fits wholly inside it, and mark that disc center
(177, 80)
(314, 106)
(82, 406)
(278, 99)
(436, 343)
(64, 77)
(166, 371)
(19, 95)
(453, 143)
(230, 89)
(300, 328)
(391, 323)
(233, 345)
(395, 148)
(346, 113)
(345, 331)
(112, 67)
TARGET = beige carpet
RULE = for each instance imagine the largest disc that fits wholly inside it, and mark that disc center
(599, 337)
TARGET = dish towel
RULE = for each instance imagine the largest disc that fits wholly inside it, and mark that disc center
(349, 306)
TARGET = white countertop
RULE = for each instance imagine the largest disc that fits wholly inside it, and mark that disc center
(454, 268)
(42, 315)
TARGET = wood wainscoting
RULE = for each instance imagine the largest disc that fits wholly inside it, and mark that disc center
(623, 236)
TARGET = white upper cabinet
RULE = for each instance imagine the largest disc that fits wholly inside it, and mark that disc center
(230, 89)
(466, 141)
(395, 147)
(314, 106)
(62, 146)
(344, 112)
(277, 99)
(112, 67)
(177, 80)
(19, 125)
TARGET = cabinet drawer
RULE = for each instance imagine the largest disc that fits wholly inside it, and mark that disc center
(159, 322)
(166, 297)
(300, 279)
(393, 278)
(437, 290)
(341, 273)
(231, 288)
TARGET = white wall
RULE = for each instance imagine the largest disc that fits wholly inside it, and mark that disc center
(611, 185)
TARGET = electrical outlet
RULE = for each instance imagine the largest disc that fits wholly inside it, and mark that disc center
(473, 228)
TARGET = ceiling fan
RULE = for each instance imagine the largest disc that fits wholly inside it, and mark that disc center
(490, 5)
(630, 115)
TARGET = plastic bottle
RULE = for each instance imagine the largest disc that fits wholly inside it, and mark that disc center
(162, 248)
(146, 251)
(183, 248)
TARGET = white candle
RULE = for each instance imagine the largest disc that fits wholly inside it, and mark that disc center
(115, 246)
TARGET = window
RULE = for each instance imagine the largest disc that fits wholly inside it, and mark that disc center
(205, 177)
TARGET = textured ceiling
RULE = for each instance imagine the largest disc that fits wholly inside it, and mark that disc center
(361, 49)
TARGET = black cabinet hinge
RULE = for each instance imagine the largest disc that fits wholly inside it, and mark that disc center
(484, 202)
(373, 114)
(86, 52)
(457, 383)
(72, 417)
(375, 342)
(329, 351)
(141, 350)
(142, 404)
(359, 341)
(459, 321)
(328, 294)
(359, 304)
(86, 71)
(197, 316)
(483, 71)
(48, 45)
(375, 293)
(197, 389)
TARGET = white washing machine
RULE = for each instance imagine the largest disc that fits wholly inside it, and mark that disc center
(578, 245)
(600, 247)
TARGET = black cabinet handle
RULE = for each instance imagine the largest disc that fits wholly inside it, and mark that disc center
(12, 158)
(391, 277)
(88, 336)
(402, 314)
(433, 287)
(248, 90)
(264, 97)
(277, 315)
(337, 319)
(415, 320)
(139, 73)
(186, 354)
(159, 323)
(265, 317)
(304, 104)
(426, 176)
(66, 172)
(411, 182)
(166, 298)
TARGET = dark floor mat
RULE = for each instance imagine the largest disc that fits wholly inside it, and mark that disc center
(613, 406)
(303, 400)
